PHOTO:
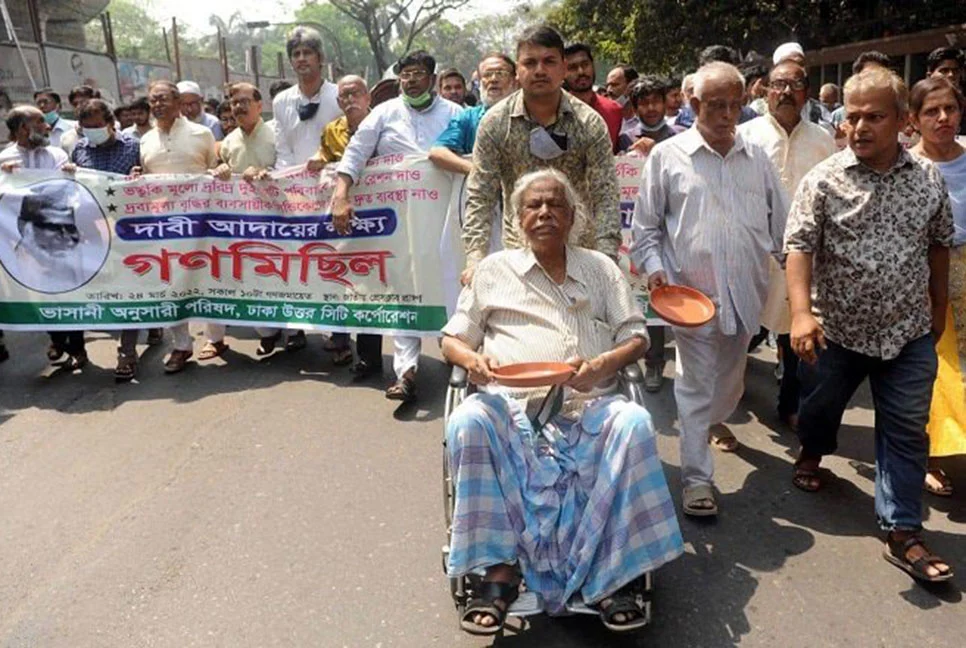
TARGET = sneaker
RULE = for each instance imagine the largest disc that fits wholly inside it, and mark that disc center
(654, 378)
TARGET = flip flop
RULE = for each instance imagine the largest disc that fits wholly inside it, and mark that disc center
(803, 477)
(945, 485)
(695, 494)
(722, 438)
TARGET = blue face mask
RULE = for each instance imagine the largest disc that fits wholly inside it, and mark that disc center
(51, 117)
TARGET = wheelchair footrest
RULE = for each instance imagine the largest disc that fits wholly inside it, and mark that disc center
(527, 604)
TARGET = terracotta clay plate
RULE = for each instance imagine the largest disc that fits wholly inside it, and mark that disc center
(682, 306)
(533, 374)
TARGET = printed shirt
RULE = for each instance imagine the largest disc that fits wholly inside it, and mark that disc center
(513, 312)
(460, 134)
(502, 155)
(296, 140)
(120, 155)
(395, 127)
(186, 148)
(240, 150)
(44, 157)
(870, 235)
(710, 223)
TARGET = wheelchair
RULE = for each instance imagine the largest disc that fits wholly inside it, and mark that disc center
(631, 385)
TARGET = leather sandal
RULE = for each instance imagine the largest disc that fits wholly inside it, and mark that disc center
(177, 361)
(494, 599)
(212, 350)
(896, 553)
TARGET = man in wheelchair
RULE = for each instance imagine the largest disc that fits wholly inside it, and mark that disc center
(579, 505)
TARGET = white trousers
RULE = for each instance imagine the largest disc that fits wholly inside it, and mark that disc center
(710, 380)
(183, 340)
(405, 354)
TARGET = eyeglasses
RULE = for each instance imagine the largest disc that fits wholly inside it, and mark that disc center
(413, 76)
(494, 75)
(781, 85)
(243, 101)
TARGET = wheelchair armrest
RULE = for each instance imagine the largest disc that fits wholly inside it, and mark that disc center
(458, 377)
(632, 373)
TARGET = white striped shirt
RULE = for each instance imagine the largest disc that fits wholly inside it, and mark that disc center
(517, 313)
(710, 223)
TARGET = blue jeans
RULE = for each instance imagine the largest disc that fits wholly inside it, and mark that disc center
(901, 393)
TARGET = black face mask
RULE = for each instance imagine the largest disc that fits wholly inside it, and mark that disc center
(308, 111)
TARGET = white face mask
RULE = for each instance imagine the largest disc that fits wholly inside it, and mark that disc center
(97, 136)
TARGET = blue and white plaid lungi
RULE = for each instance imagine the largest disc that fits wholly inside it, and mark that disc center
(586, 511)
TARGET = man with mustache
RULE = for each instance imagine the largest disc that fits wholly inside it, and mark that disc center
(794, 145)
(537, 127)
(580, 83)
(408, 124)
(302, 111)
(710, 211)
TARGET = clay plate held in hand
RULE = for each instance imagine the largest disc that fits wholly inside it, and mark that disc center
(682, 306)
(533, 374)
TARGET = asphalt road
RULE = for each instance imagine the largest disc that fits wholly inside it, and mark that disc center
(272, 502)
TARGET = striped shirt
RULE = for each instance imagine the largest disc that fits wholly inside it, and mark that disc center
(710, 222)
(517, 313)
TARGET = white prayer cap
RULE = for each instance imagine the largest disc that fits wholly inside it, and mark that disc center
(189, 87)
(786, 50)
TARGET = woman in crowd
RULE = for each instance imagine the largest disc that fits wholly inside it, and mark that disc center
(936, 108)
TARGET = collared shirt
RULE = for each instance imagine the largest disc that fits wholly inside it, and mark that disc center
(335, 138)
(120, 155)
(710, 223)
(870, 235)
(660, 134)
(514, 312)
(240, 150)
(187, 148)
(297, 140)
(44, 157)
(210, 122)
(60, 127)
(133, 132)
(793, 155)
(460, 134)
(394, 127)
(502, 155)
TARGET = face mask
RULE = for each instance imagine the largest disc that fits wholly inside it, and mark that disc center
(51, 117)
(308, 111)
(417, 102)
(97, 136)
(545, 146)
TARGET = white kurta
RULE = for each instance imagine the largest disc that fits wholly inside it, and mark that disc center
(710, 222)
(793, 155)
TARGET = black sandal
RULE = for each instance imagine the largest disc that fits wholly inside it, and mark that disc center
(403, 390)
(342, 357)
(807, 479)
(622, 602)
(267, 344)
(490, 592)
(895, 553)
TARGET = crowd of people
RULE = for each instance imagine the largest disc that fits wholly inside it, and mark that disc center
(835, 222)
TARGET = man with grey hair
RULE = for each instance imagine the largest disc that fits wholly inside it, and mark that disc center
(710, 211)
(829, 96)
(868, 238)
(302, 111)
(529, 505)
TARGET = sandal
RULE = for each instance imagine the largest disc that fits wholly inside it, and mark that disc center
(622, 602)
(694, 496)
(296, 342)
(212, 350)
(491, 595)
(896, 553)
(342, 357)
(722, 438)
(176, 361)
(155, 336)
(127, 368)
(938, 483)
(267, 344)
(76, 361)
(362, 370)
(807, 479)
(54, 353)
(403, 390)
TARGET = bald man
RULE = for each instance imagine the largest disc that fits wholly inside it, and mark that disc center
(354, 101)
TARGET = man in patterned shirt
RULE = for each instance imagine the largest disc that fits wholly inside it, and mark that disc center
(537, 127)
(868, 236)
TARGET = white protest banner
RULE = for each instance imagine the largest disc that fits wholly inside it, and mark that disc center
(99, 251)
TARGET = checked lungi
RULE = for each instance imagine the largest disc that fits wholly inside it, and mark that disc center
(583, 507)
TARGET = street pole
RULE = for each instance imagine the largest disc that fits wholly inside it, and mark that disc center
(177, 49)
